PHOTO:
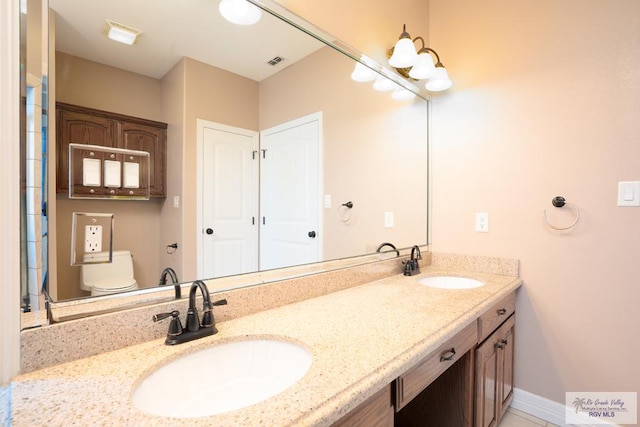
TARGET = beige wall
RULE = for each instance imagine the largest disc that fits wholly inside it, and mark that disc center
(90, 84)
(173, 108)
(95, 85)
(373, 154)
(545, 103)
(219, 96)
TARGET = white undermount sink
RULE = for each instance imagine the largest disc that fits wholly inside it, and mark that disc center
(221, 378)
(450, 282)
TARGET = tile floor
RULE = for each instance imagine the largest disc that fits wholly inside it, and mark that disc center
(515, 418)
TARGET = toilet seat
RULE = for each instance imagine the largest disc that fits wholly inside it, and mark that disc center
(105, 287)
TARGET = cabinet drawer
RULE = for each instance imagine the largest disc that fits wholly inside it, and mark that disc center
(410, 384)
(497, 314)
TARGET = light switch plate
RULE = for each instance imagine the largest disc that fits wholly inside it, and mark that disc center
(388, 220)
(482, 222)
(629, 193)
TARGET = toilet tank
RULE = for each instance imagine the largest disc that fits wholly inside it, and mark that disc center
(119, 270)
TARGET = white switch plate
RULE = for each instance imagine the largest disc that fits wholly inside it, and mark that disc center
(388, 219)
(327, 200)
(482, 222)
(176, 201)
(92, 238)
(629, 193)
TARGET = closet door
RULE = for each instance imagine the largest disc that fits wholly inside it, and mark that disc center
(229, 182)
(290, 193)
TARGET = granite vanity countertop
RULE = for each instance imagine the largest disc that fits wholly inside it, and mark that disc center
(361, 339)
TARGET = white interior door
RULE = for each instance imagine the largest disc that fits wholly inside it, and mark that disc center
(228, 243)
(290, 193)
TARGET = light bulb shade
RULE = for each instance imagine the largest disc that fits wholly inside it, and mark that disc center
(439, 81)
(423, 67)
(402, 94)
(362, 73)
(404, 54)
(383, 84)
(240, 12)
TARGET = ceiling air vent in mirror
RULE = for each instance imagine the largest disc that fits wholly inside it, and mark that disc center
(275, 60)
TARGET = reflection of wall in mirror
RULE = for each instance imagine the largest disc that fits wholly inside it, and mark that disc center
(376, 153)
(193, 90)
(99, 86)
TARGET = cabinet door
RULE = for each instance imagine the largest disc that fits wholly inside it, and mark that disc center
(494, 375)
(505, 367)
(79, 128)
(486, 384)
(134, 136)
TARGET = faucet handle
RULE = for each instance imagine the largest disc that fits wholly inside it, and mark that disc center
(175, 326)
(207, 315)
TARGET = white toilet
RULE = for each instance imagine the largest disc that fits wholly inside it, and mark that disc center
(108, 278)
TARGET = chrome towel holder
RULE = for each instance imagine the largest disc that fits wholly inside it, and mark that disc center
(559, 202)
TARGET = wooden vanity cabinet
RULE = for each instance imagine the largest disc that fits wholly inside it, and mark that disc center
(467, 381)
(82, 125)
(438, 391)
(494, 367)
(377, 411)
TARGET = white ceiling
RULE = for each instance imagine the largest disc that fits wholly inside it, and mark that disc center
(173, 29)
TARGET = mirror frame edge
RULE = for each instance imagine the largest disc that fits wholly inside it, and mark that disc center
(10, 275)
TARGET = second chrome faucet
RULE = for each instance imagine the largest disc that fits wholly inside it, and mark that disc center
(194, 326)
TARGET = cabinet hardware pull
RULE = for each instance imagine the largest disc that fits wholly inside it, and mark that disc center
(502, 344)
(451, 354)
(502, 311)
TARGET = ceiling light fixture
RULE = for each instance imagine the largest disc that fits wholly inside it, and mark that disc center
(121, 33)
(418, 65)
(240, 12)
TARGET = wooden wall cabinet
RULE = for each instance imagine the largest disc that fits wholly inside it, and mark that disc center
(82, 125)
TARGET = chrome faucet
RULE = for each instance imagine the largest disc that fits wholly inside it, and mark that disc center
(174, 280)
(391, 245)
(412, 266)
(194, 327)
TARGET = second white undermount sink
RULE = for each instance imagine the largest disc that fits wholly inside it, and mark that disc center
(450, 282)
(222, 378)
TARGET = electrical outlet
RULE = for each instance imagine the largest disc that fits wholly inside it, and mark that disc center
(92, 238)
(482, 222)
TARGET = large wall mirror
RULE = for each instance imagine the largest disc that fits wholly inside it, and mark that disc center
(363, 179)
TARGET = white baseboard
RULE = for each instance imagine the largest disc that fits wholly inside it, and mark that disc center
(543, 408)
(538, 406)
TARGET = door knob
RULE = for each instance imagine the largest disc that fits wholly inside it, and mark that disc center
(312, 234)
(209, 231)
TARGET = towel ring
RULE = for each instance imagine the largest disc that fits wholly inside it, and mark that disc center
(344, 212)
(559, 202)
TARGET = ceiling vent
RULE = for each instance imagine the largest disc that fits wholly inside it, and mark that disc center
(275, 60)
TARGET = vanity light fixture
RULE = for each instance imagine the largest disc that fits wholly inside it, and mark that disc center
(418, 65)
(121, 33)
(362, 73)
(402, 94)
(382, 84)
(240, 12)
